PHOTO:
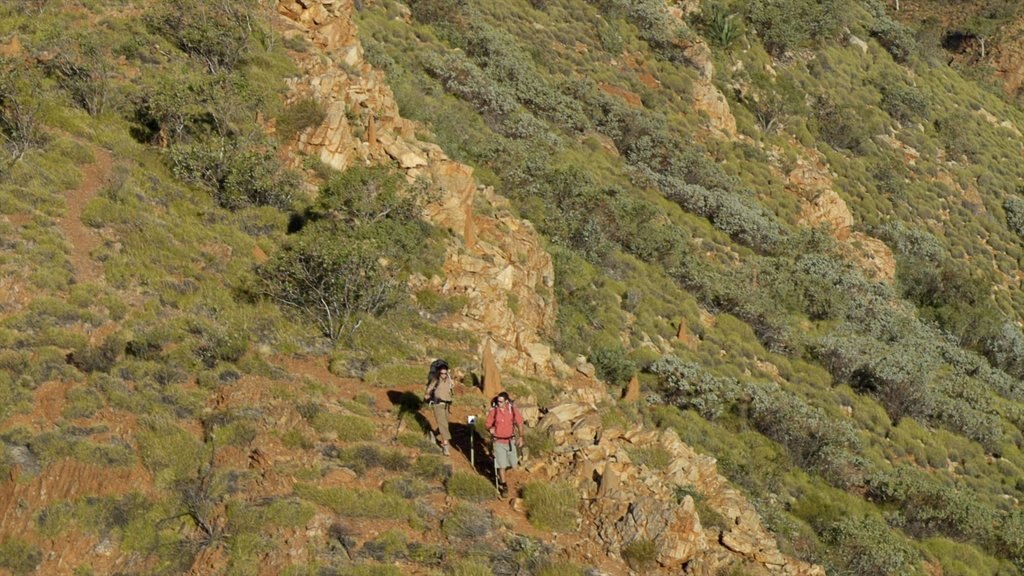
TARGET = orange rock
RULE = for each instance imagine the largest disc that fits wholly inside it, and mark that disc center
(492, 379)
(632, 392)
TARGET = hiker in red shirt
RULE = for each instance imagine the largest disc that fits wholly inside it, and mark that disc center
(505, 424)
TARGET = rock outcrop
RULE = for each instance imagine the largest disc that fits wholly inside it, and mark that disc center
(623, 499)
(822, 206)
(496, 261)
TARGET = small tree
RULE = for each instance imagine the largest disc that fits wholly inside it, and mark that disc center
(83, 70)
(217, 32)
(333, 281)
(19, 106)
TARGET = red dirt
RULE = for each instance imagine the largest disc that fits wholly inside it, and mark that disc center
(84, 240)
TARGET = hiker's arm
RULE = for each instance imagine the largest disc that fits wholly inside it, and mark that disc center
(490, 422)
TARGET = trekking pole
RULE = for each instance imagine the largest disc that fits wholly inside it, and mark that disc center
(472, 441)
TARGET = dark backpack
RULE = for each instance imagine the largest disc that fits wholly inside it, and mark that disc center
(435, 370)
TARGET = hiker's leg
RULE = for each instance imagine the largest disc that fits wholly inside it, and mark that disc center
(441, 417)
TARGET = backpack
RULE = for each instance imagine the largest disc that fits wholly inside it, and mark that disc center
(435, 369)
(511, 403)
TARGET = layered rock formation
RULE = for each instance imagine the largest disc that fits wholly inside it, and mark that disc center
(623, 501)
(496, 261)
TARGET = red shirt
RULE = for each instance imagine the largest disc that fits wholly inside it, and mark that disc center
(502, 420)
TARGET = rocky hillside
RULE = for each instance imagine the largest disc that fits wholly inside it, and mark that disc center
(750, 269)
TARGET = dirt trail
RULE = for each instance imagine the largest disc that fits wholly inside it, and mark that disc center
(84, 240)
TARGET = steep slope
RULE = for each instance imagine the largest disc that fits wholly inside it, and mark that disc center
(235, 233)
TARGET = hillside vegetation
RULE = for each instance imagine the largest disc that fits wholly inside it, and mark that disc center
(795, 220)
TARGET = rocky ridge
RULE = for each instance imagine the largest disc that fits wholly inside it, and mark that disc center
(623, 501)
(492, 260)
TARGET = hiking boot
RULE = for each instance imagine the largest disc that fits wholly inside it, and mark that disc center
(502, 490)
(444, 449)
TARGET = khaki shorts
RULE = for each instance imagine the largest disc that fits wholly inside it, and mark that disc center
(505, 454)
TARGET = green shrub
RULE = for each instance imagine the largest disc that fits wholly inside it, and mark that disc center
(20, 101)
(297, 117)
(431, 467)
(640, 554)
(904, 102)
(82, 403)
(390, 546)
(894, 36)
(366, 456)
(470, 568)
(1014, 208)
(333, 272)
(655, 456)
(687, 385)
(348, 427)
(357, 503)
(469, 486)
(551, 506)
(613, 365)
(217, 34)
(408, 487)
(784, 25)
(241, 174)
(720, 26)
(288, 513)
(868, 546)
(82, 69)
(19, 557)
(466, 522)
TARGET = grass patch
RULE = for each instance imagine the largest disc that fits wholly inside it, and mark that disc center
(469, 486)
(357, 503)
(366, 456)
(396, 375)
(551, 506)
(19, 557)
(431, 467)
(466, 522)
(641, 554)
(347, 427)
(656, 456)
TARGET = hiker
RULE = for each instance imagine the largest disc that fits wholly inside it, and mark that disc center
(439, 394)
(505, 424)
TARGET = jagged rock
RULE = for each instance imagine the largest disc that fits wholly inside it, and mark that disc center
(562, 415)
(631, 394)
(492, 379)
(585, 368)
(710, 100)
(857, 43)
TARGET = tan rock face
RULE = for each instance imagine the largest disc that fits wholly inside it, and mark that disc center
(622, 501)
(820, 205)
(496, 262)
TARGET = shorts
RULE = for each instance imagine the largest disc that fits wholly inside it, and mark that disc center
(505, 454)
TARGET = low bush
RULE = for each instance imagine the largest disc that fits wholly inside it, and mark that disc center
(785, 25)
(217, 34)
(470, 486)
(348, 427)
(298, 116)
(551, 506)
(20, 100)
(357, 503)
(868, 546)
(641, 554)
(466, 522)
(20, 557)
